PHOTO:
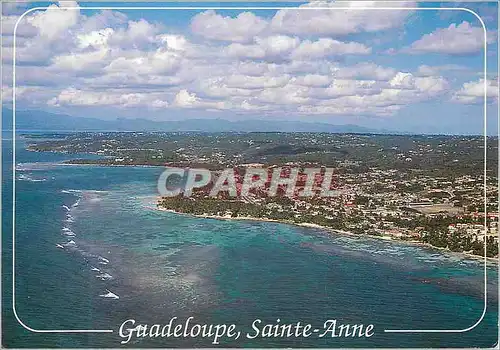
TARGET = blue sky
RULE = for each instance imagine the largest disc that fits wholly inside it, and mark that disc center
(402, 69)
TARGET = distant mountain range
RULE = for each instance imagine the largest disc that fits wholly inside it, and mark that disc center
(40, 120)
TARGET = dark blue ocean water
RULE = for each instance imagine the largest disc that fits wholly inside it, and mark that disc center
(163, 265)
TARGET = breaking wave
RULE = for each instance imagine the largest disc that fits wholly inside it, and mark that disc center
(109, 294)
(30, 178)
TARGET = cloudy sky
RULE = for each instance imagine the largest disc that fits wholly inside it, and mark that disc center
(403, 69)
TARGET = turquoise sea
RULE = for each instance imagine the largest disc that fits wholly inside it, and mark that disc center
(162, 265)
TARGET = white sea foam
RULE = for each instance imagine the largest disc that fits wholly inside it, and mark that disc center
(95, 269)
(35, 166)
(24, 177)
(82, 191)
(66, 207)
(70, 243)
(59, 246)
(67, 232)
(103, 261)
(109, 294)
(71, 191)
(104, 276)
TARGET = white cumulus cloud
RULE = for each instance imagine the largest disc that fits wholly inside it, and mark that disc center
(76, 97)
(326, 47)
(56, 20)
(242, 28)
(453, 40)
(337, 21)
(474, 92)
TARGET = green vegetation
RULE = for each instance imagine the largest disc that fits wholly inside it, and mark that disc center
(446, 156)
(410, 187)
